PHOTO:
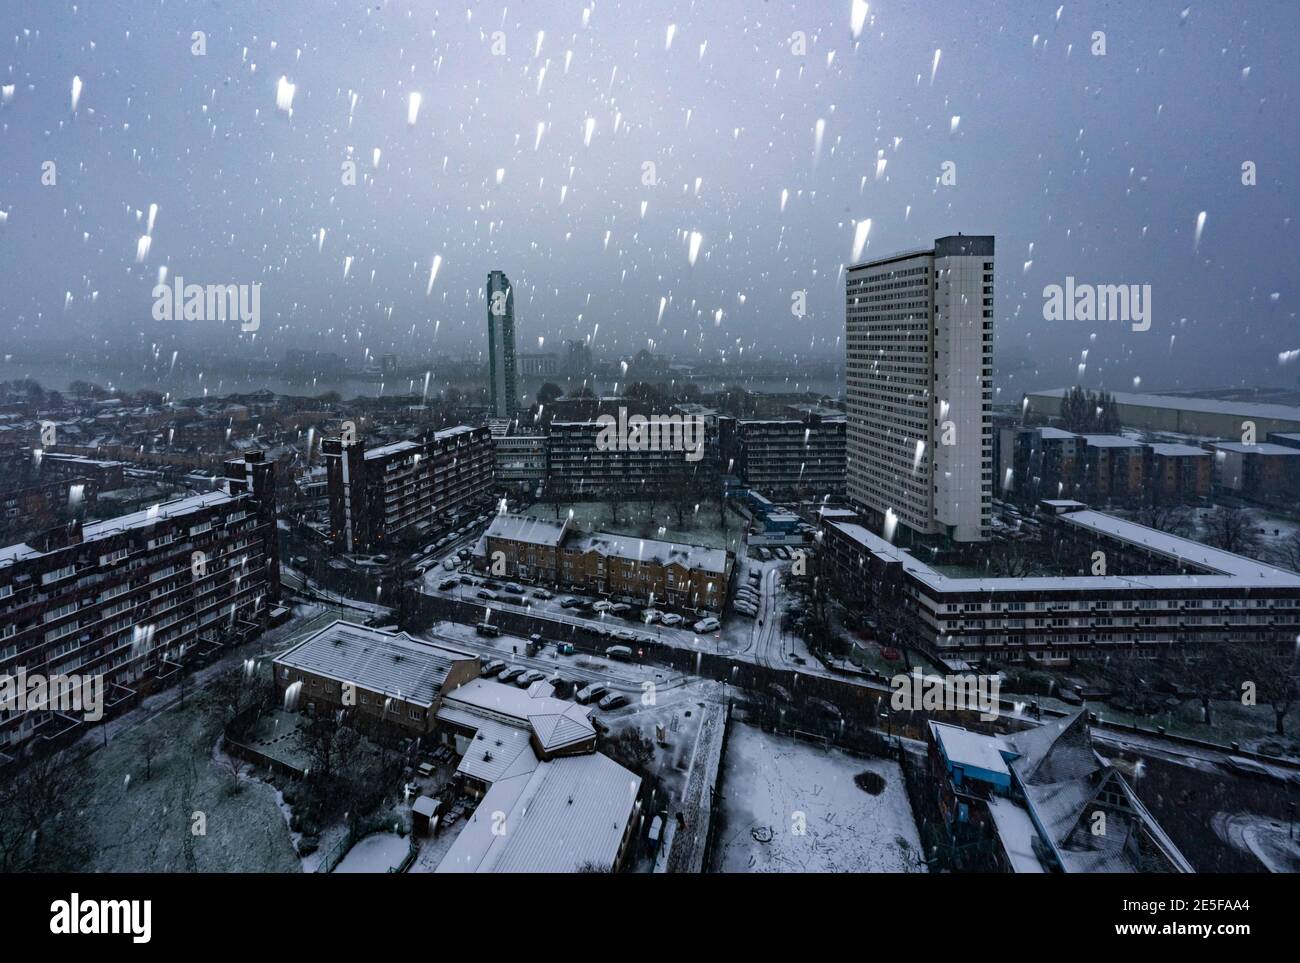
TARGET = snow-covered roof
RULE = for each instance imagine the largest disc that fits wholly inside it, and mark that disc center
(1204, 405)
(693, 557)
(1111, 441)
(1017, 831)
(1263, 448)
(564, 815)
(395, 448)
(556, 723)
(1173, 450)
(526, 528)
(393, 664)
(111, 526)
(974, 750)
(1219, 569)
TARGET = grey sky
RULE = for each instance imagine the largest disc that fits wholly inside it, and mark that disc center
(1101, 163)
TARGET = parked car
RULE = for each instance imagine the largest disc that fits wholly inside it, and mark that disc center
(487, 628)
(514, 588)
(512, 673)
(651, 616)
(593, 691)
(671, 619)
(618, 608)
(528, 678)
(487, 596)
(621, 652)
(448, 583)
(613, 701)
(709, 624)
(542, 594)
(493, 667)
(449, 564)
(570, 602)
(602, 606)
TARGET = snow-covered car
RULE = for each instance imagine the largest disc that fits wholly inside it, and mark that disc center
(512, 673)
(448, 583)
(493, 667)
(613, 701)
(671, 619)
(593, 691)
(651, 616)
(542, 594)
(602, 606)
(709, 624)
(526, 679)
(570, 603)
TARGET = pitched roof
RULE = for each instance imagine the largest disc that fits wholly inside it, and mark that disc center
(566, 814)
(390, 663)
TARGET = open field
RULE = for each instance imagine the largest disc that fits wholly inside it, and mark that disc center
(773, 786)
(148, 818)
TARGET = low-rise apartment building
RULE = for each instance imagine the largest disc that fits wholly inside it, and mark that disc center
(1152, 590)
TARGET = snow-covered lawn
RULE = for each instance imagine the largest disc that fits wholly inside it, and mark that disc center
(376, 853)
(774, 785)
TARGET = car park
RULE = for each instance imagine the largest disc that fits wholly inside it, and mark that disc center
(709, 624)
(613, 701)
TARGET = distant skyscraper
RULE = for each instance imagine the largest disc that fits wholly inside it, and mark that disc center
(501, 344)
(919, 336)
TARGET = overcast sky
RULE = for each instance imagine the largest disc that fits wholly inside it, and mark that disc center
(532, 160)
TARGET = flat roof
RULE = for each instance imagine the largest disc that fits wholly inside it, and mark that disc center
(1173, 450)
(961, 747)
(1111, 441)
(393, 664)
(1209, 406)
(175, 508)
(1263, 448)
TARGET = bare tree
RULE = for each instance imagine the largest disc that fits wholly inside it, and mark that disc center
(1287, 552)
(1233, 530)
(1274, 678)
(148, 752)
(1174, 519)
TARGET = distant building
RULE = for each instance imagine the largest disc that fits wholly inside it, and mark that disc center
(378, 494)
(1113, 469)
(1033, 801)
(919, 337)
(502, 385)
(1208, 417)
(1179, 472)
(579, 467)
(786, 457)
(127, 597)
(521, 461)
(673, 574)
(1264, 472)
(577, 361)
(539, 365)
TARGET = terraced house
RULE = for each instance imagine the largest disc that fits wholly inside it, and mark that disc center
(126, 597)
(671, 574)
